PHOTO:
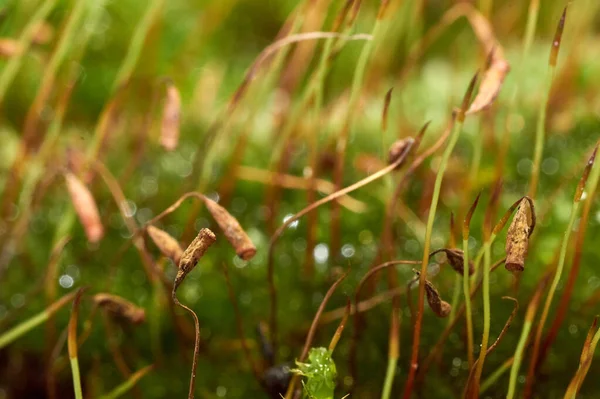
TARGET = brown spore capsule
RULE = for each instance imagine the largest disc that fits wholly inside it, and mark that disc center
(517, 237)
(167, 245)
(85, 207)
(120, 307)
(169, 136)
(232, 230)
(192, 254)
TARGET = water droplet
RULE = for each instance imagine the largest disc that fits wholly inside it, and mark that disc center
(321, 253)
(550, 166)
(17, 300)
(66, 281)
(348, 251)
(292, 225)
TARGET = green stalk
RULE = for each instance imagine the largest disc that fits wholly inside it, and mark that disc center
(136, 44)
(125, 70)
(561, 263)
(342, 142)
(556, 279)
(557, 274)
(541, 128)
(14, 64)
(456, 291)
(467, 294)
(491, 380)
(486, 316)
(29, 324)
(540, 134)
(427, 243)
(23, 328)
(76, 378)
(127, 385)
(514, 370)
(211, 155)
(389, 378)
(72, 345)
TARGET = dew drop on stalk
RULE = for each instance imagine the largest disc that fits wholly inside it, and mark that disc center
(292, 225)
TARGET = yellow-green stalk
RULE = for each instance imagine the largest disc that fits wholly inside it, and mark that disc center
(26, 326)
(460, 118)
(14, 64)
(540, 132)
(466, 282)
(127, 385)
(72, 346)
(558, 274)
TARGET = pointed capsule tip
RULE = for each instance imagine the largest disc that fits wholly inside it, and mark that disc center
(468, 96)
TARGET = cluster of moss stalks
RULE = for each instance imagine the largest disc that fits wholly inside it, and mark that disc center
(309, 183)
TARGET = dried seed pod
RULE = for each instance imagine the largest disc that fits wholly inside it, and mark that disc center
(397, 150)
(166, 243)
(437, 304)
(85, 207)
(456, 259)
(517, 237)
(169, 136)
(120, 307)
(234, 233)
(193, 253)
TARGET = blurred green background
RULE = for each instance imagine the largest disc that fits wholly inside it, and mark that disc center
(206, 48)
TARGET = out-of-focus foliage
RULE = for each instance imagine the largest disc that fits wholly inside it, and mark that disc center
(229, 152)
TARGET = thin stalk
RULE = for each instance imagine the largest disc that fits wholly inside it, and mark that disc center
(518, 358)
(427, 242)
(437, 348)
(467, 294)
(551, 292)
(585, 362)
(333, 196)
(136, 44)
(62, 49)
(389, 378)
(127, 385)
(76, 377)
(14, 63)
(563, 307)
(342, 143)
(29, 324)
(466, 281)
(563, 252)
(493, 378)
(486, 318)
(532, 17)
(72, 345)
(456, 291)
(311, 333)
(540, 132)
